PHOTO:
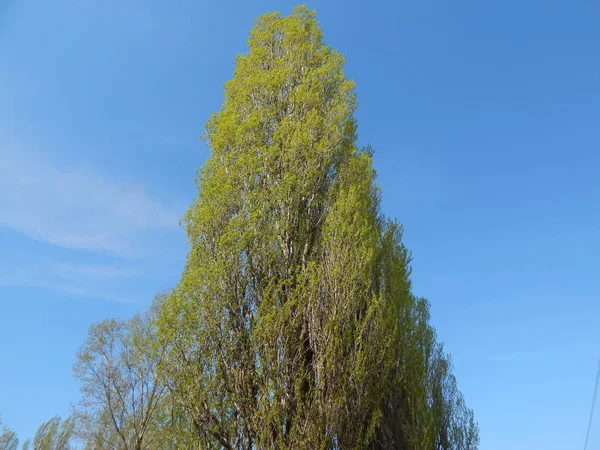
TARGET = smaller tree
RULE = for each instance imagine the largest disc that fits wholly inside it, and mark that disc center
(122, 391)
(55, 434)
(8, 439)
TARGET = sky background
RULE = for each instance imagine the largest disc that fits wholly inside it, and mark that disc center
(485, 119)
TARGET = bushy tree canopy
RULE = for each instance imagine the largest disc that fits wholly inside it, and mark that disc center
(294, 324)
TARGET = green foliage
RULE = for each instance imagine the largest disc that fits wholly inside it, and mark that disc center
(8, 439)
(56, 434)
(294, 325)
(125, 403)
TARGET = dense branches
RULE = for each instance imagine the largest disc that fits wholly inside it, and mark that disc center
(125, 403)
(294, 325)
(55, 434)
(8, 439)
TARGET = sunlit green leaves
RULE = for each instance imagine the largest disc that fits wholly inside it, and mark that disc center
(294, 325)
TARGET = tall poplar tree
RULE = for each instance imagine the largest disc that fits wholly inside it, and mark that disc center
(294, 325)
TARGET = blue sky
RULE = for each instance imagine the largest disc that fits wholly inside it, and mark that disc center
(485, 119)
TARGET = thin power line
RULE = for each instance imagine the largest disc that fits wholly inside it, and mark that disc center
(593, 403)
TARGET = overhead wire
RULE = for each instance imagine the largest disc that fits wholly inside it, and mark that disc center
(593, 404)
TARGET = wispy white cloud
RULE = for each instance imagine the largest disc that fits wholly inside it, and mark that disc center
(88, 281)
(75, 207)
(73, 271)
